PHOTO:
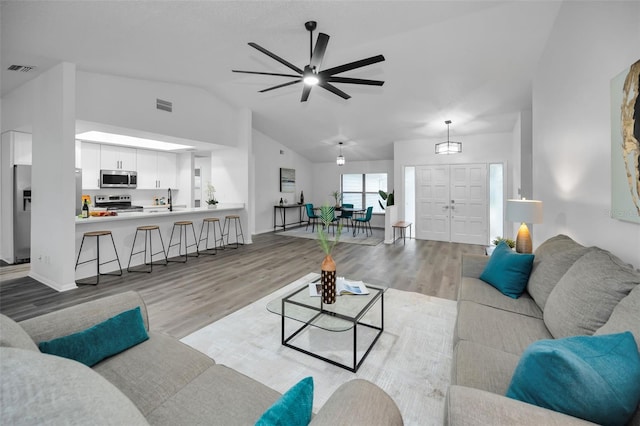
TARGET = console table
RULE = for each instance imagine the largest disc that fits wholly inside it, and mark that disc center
(283, 216)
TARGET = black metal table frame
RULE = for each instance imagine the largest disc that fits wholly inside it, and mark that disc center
(321, 311)
(283, 216)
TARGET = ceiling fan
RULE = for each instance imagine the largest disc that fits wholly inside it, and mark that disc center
(311, 74)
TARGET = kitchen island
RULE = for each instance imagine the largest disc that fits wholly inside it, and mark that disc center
(123, 228)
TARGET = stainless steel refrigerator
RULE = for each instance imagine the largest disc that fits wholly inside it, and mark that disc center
(21, 213)
(22, 210)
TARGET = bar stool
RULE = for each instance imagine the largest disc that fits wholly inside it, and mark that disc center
(98, 234)
(208, 221)
(182, 227)
(227, 226)
(147, 236)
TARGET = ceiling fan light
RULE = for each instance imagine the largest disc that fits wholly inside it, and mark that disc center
(310, 80)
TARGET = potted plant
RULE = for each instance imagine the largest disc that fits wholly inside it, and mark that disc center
(509, 241)
(390, 214)
(389, 198)
(211, 199)
(328, 268)
(337, 197)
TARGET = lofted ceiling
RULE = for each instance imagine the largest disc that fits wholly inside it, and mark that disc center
(468, 61)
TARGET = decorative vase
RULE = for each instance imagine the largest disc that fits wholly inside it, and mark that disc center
(328, 280)
(212, 206)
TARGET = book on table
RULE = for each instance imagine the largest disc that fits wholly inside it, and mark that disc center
(343, 287)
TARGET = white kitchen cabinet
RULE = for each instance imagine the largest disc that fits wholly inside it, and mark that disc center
(156, 170)
(90, 165)
(22, 148)
(167, 170)
(117, 158)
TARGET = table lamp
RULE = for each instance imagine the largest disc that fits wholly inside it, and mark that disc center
(524, 211)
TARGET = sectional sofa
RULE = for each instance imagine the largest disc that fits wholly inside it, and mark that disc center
(572, 290)
(158, 381)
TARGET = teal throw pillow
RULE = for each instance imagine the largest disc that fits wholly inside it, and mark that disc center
(293, 408)
(595, 378)
(103, 340)
(508, 271)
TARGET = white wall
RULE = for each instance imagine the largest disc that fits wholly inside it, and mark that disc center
(131, 103)
(326, 179)
(487, 148)
(269, 160)
(591, 43)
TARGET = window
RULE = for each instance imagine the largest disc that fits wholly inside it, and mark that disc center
(361, 190)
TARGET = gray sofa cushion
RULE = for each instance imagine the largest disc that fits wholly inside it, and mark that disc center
(471, 407)
(218, 396)
(502, 330)
(552, 260)
(14, 336)
(40, 389)
(476, 290)
(63, 322)
(154, 370)
(347, 407)
(625, 317)
(586, 295)
(481, 367)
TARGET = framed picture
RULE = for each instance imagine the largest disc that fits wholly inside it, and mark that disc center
(287, 180)
(625, 145)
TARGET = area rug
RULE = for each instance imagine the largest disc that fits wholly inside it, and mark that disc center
(411, 361)
(374, 238)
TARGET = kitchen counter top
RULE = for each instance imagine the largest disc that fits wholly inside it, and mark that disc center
(159, 211)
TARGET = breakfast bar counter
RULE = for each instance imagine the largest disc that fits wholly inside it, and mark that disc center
(123, 228)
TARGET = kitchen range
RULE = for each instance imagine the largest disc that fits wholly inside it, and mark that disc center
(116, 203)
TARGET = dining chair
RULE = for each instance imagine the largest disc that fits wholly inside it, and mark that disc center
(365, 221)
(348, 216)
(313, 217)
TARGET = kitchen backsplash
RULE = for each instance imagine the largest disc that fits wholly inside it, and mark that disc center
(140, 197)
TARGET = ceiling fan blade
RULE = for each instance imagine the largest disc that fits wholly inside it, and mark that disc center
(306, 90)
(351, 66)
(318, 51)
(276, 57)
(280, 85)
(333, 89)
(267, 73)
(333, 79)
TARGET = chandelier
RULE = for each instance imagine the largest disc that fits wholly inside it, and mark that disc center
(448, 147)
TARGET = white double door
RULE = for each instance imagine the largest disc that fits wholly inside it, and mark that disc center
(451, 203)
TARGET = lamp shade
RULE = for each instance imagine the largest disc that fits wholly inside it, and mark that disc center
(524, 211)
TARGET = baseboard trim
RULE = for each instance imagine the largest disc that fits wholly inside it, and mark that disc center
(52, 284)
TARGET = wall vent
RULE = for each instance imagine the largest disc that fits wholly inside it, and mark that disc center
(21, 68)
(164, 105)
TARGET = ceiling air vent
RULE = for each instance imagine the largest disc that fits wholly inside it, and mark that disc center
(164, 105)
(21, 68)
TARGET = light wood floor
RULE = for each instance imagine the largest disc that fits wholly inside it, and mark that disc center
(182, 298)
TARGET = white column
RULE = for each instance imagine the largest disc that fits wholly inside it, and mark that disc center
(53, 178)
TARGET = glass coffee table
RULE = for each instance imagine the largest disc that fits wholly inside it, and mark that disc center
(323, 330)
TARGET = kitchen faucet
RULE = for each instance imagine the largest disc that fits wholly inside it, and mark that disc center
(170, 201)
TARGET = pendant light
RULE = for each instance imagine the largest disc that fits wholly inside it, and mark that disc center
(340, 159)
(448, 147)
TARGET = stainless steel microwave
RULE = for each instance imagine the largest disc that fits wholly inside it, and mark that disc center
(118, 179)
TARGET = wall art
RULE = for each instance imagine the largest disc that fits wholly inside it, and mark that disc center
(287, 180)
(625, 145)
